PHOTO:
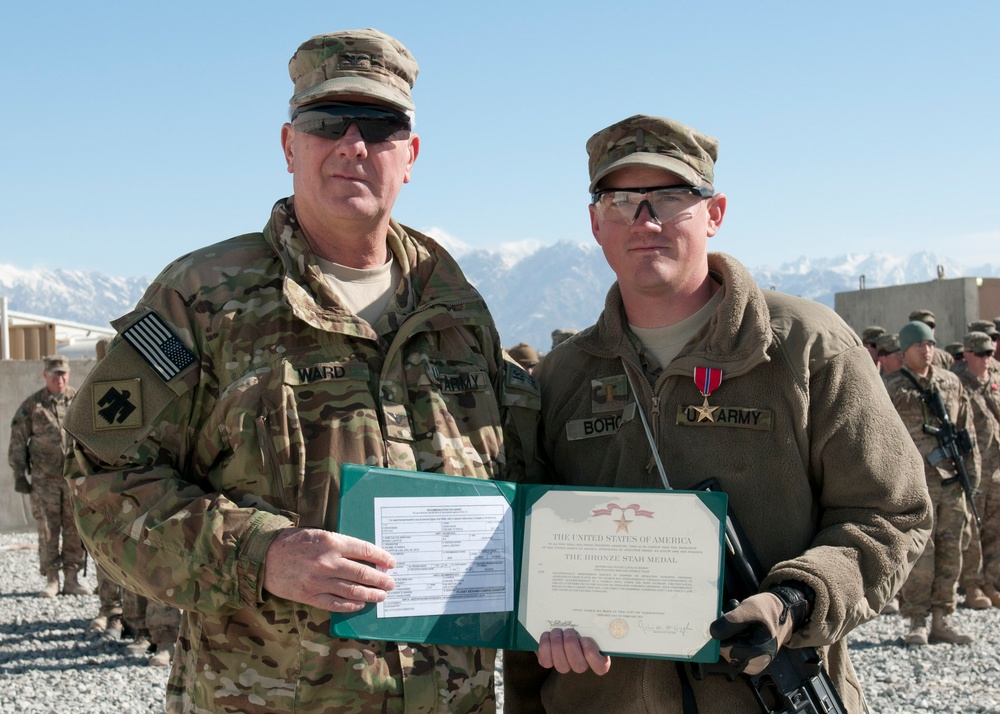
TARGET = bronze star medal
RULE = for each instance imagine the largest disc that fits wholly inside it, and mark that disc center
(706, 379)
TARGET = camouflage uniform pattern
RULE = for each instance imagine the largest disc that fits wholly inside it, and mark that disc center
(38, 446)
(288, 385)
(932, 583)
(981, 564)
(109, 594)
(155, 620)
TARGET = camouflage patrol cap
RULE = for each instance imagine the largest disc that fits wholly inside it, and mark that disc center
(955, 349)
(872, 333)
(924, 316)
(986, 326)
(977, 342)
(561, 335)
(56, 364)
(524, 354)
(655, 142)
(887, 344)
(996, 322)
(368, 63)
(913, 332)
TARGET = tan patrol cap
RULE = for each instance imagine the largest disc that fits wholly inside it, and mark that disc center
(986, 326)
(924, 316)
(524, 354)
(977, 342)
(872, 333)
(366, 63)
(653, 142)
(561, 335)
(56, 364)
(887, 344)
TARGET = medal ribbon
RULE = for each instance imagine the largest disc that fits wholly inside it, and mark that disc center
(707, 379)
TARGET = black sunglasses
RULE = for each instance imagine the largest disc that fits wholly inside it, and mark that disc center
(331, 121)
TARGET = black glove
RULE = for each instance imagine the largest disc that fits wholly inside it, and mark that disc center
(21, 484)
(752, 633)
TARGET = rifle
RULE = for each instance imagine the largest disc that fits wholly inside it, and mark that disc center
(953, 444)
(795, 682)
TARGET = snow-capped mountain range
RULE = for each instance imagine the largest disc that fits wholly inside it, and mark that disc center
(531, 288)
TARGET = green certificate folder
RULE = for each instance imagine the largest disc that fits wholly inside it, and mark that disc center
(640, 571)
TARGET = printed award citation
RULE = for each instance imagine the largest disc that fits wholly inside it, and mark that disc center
(495, 564)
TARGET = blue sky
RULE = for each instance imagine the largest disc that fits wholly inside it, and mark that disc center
(133, 132)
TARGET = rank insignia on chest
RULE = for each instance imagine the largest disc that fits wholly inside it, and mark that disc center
(608, 394)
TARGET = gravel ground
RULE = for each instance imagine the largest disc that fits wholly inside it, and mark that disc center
(48, 663)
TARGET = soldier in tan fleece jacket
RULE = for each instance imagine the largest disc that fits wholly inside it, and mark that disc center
(799, 432)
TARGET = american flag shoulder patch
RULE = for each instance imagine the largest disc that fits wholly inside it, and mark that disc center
(152, 339)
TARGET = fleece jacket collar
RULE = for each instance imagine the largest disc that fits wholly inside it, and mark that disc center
(736, 337)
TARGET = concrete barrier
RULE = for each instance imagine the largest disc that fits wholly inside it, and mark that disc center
(18, 380)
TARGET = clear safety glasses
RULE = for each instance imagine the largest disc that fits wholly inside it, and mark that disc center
(622, 205)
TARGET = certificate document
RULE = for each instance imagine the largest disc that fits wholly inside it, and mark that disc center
(495, 564)
(637, 572)
(450, 554)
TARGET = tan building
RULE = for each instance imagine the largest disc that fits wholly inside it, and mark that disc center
(955, 303)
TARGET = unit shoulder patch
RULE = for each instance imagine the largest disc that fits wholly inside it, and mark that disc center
(117, 404)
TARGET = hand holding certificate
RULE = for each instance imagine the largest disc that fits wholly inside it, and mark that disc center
(494, 564)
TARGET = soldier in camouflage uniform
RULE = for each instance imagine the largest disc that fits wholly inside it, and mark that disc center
(108, 623)
(890, 359)
(987, 327)
(931, 587)
(561, 335)
(869, 336)
(154, 626)
(38, 447)
(210, 439)
(981, 562)
(525, 355)
(942, 360)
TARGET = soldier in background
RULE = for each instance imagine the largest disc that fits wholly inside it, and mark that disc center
(108, 622)
(890, 359)
(525, 355)
(996, 349)
(561, 335)
(931, 587)
(869, 336)
(981, 561)
(942, 359)
(987, 327)
(38, 445)
(957, 352)
(153, 624)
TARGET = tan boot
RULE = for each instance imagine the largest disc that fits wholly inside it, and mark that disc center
(975, 599)
(917, 636)
(72, 586)
(943, 631)
(991, 592)
(51, 585)
(139, 646)
(162, 656)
